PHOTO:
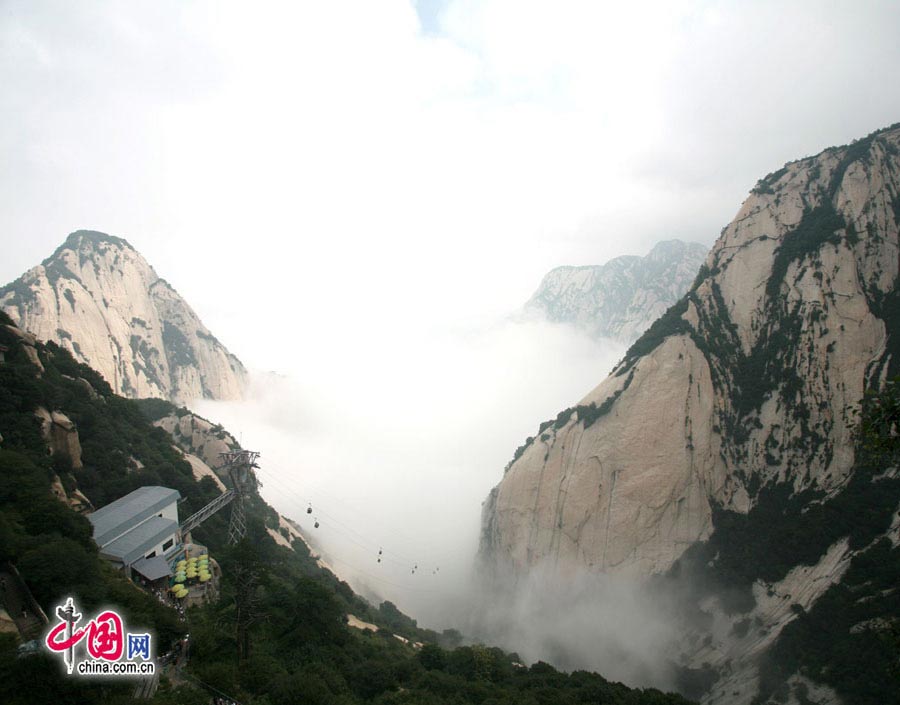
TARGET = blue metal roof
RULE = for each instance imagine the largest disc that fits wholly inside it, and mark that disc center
(129, 547)
(152, 568)
(127, 512)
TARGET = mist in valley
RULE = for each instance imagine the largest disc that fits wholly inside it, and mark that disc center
(397, 451)
(395, 455)
(578, 620)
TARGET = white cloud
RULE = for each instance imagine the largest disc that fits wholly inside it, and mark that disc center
(341, 149)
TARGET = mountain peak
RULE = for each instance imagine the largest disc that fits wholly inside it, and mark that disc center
(93, 239)
(99, 298)
(619, 299)
(672, 248)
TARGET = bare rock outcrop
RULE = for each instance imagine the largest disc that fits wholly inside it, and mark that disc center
(753, 377)
(97, 297)
(29, 343)
(75, 499)
(286, 533)
(198, 437)
(61, 436)
(201, 469)
(735, 644)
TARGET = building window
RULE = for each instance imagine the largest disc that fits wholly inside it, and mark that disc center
(152, 554)
(168, 544)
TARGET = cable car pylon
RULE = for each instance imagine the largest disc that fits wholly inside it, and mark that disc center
(240, 464)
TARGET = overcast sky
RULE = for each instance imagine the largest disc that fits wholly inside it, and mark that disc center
(356, 194)
(366, 164)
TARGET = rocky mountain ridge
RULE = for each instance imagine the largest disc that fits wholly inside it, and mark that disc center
(752, 376)
(621, 298)
(97, 297)
(724, 445)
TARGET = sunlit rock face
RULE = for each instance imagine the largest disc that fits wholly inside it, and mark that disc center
(99, 298)
(753, 376)
(619, 299)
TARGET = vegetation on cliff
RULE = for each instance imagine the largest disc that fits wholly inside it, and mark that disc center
(850, 638)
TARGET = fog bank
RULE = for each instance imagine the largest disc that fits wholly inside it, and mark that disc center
(579, 621)
(394, 444)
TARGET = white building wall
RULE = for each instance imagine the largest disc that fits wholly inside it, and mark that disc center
(159, 547)
(170, 512)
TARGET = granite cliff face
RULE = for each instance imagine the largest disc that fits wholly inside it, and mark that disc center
(723, 443)
(97, 297)
(619, 299)
(751, 377)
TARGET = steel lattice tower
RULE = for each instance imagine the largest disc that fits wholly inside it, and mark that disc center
(240, 466)
(237, 528)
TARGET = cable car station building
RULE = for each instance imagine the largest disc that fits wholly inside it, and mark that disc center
(140, 531)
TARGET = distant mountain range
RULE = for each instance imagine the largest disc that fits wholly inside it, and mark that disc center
(619, 299)
(98, 297)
